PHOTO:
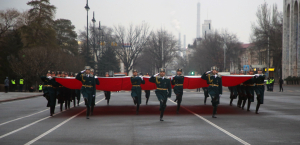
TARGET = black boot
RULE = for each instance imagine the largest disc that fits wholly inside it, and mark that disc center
(107, 101)
(147, 101)
(244, 102)
(205, 100)
(230, 102)
(137, 109)
(257, 107)
(214, 112)
(87, 112)
(249, 104)
(92, 110)
(161, 115)
(61, 106)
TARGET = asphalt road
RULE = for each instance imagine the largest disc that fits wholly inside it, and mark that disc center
(28, 121)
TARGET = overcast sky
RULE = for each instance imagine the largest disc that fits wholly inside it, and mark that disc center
(173, 15)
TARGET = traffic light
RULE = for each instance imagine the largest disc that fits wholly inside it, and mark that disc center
(192, 73)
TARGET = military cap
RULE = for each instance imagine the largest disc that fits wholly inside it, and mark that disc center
(92, 70)
(87, 67)
(251, 69)
(62, 72)
(76, 74)
(135, 70)
(179, 69)
(66, 73)
(49, 72)
(53, 72)
(147, 73)
(71, 73)
(214, 68)
(162, 70)
(106, 73)
(57, 72)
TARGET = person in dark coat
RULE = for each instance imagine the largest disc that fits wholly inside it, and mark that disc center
(6, 84)
(163, 90)
(214, 88)
(280, 85)
(49, 90)
(136, 90)
(259, 89)
(94, 95)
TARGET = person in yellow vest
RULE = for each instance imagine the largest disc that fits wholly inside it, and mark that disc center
(13, 85)
(268, 84)
(272, 84)
(21, 83)
(40, 87)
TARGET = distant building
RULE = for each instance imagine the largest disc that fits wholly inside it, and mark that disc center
(290, 39)
(206, 28)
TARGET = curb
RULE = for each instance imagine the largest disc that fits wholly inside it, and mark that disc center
(20, 98)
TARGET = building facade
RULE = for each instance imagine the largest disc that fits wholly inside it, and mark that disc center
(206, 28)
(291, 47)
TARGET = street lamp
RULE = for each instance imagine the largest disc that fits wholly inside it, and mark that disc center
(94, 43)
(87, 8)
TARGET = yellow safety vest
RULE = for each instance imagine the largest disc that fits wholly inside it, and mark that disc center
(21, 81)
(40, 87)
(13, 82)
(268, 82)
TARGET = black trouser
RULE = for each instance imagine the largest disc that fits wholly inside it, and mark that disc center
(215, 102)
(6, 89)
(280, 88)
(179, 99)
(162, 110)
(20, 88)
(205, 95)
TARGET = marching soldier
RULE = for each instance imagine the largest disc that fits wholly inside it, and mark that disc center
(205, 90)
(136, 90)
(249, 91)
(94, 95)
(77, 93)
(49, 90)
(233, 94)
(163, 90)
(87, 89)
(259, 88)
(68, 95)
(73, 92)
(107, 93)
(214, 88)
(178, 88)
(241, 95)
(147, 92)
(60, 90)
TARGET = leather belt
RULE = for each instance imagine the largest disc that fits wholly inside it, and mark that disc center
(178, 84)
(214, 85)
(161, 89)
(250, 85)
(136, 85)
(260, 84)
(87, 86)
(47, 85)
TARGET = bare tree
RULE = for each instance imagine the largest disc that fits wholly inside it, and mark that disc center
(131, 42)
(8, 19)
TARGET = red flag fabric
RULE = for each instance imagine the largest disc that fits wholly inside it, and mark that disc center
(233, 80)
(110, 83)
(70, 83)
(194, 82)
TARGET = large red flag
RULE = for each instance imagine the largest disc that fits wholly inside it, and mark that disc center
(233, 80)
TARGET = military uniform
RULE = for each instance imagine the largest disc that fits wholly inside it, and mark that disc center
(49, 92)
(249, 89)
(178, 88)
(77, 93)
(259, 90)
(136, 90)
(147, 92)
(87, 89)
(94, 95)
(205, 91)
(163, 90)
(107, 93)
(214, 88)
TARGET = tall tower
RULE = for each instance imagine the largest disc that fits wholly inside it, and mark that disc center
(179, 41)
(198, 20)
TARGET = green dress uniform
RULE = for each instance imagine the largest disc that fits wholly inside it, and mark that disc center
(240, 90)
(50, 92)
(136, 90)
(205, 91)
(259, 90)
(87, 89)
(214, 89)
(178, 89)
(94, 95)
(78, 94)
(163, 91)
(250, 92)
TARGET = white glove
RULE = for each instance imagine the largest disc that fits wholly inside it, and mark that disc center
(156, 74)
(142, 77)
(49, 77)
(208, 72)
(93, 95)
(220, 95)
(83, 71)
(96, 77)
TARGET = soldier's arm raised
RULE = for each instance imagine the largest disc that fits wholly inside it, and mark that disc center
(220, 87)
(78, 76)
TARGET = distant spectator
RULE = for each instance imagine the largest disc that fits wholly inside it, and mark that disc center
(280, 85)
(6, 84)
(21, 83)
(31, 89)
(13, 85)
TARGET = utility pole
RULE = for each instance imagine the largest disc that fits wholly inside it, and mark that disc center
(268, 64)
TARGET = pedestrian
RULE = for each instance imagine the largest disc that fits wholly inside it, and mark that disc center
(13, 85)
(214, 88)
(21, 83)
(163, 90)
(147, 92)
(178, 88)
(259, 88)
(94, 95)
(87, 89)
(268, 84)
(280, 84)
(272, 83)
(40, 87)
(49, 90)
(6, 84)
(136, 90)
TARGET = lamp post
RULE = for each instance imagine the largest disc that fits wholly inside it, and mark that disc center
(225, 46)
(87, 8)
(99, 37)
(268, 64)
(94, 43)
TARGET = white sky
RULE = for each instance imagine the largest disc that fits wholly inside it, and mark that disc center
(174, 15)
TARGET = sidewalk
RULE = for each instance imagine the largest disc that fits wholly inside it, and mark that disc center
(11, 96)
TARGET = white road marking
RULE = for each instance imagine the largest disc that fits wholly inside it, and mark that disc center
(12, 132)
(57, 126)
(214, 125)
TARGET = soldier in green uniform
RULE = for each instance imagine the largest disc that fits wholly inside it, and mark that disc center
(49, 90)
(87, 89)
(205, 91)
(178, 88)
(163, 90)
(60, 93)
(147, 92)
(214, 88)
(72, 92)
(249, 91)
(136, 90)
(107, 93)
(68, 95)
(240, 90)
(94, 95)
(259, 88)
(77, 93)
